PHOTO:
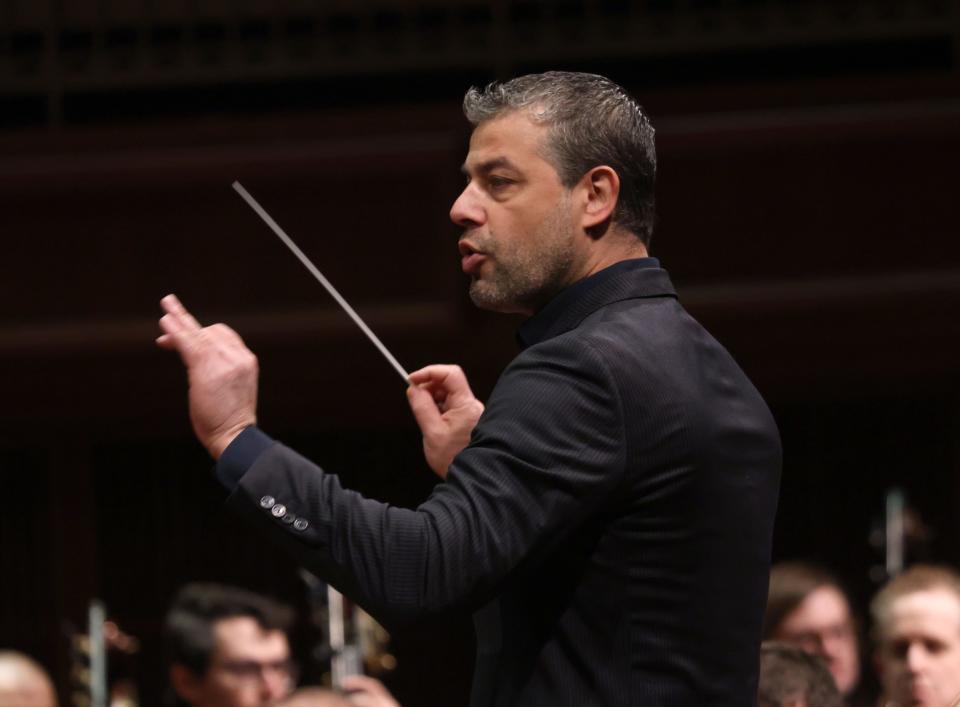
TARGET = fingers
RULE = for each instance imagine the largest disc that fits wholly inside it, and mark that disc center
(184, 334)
(436, 373)
(447, 377)
(179, 327)
(424, 408)
(172, 306)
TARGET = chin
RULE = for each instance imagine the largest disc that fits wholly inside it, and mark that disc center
(495, 301)
(484, 299)
(919, 698)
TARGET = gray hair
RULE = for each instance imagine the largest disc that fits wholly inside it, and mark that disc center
(592, 122)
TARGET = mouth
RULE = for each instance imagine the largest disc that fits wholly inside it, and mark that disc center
(471, 263)
(470, 258)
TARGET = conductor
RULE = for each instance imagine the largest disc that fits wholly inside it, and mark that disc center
(607, 516)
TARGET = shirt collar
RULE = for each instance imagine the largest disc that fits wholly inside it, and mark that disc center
(627, 279)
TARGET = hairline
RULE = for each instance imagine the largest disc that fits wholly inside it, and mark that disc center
(791, 584)
(188, 627)
(611, 130)
(919, 579)
(545, 148)
(885, 609)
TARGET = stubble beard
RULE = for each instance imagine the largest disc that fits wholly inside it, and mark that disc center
(524, 276)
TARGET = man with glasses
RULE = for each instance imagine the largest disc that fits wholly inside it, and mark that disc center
(808, 607)
(227, 647)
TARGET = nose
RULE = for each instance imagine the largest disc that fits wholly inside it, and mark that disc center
(275, 682)
(275, 686)
(916, 657)
(812, 643)
(831, 646)
(467, 210)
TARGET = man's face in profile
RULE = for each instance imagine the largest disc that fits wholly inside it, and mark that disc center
(919, 651)
(518, 244)
(249, 667)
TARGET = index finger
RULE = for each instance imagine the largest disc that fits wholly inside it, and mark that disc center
(172, 306)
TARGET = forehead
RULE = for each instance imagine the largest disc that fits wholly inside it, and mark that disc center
(931, 613)
(242, 638)
(513, 138)
(823, 606)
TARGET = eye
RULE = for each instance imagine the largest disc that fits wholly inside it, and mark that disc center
(899, 648)
(495, 181)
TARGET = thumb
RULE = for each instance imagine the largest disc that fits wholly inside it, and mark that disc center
(423, 407)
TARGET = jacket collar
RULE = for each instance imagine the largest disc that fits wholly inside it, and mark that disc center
(628, 279)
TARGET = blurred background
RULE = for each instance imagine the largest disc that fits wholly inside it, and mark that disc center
(808, 214)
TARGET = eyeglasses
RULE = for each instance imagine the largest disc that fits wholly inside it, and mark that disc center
(250, 670)
(816, 640)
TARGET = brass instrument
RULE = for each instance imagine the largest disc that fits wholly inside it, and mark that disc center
(98, 658)
(354, 643)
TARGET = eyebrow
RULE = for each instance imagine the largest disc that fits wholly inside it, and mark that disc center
(489, 165)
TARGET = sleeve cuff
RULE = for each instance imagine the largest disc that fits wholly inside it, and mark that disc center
(240, 455)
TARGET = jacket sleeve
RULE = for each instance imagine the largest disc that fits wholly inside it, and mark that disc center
(547, 452)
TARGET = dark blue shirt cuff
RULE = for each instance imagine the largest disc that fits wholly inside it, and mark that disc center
(240, 455)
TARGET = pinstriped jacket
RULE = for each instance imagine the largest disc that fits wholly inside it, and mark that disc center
(609, 524)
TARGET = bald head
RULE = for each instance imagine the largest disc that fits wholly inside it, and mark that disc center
(23, 683)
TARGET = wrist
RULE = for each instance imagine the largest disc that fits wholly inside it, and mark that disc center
(220, 442)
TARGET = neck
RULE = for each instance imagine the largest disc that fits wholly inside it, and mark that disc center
(614, 247)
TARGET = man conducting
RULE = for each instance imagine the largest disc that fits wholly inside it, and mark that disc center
(608, 515)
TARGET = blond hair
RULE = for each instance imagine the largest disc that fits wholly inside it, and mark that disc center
(919, 578)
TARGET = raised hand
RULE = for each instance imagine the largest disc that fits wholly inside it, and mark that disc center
(221, 371)
(446, 411)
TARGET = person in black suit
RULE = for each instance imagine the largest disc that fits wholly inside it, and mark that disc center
(608, 514)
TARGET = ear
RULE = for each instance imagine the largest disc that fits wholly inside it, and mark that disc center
(600, 189)
(184, 682)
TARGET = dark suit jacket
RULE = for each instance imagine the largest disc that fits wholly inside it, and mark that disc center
(610, 522)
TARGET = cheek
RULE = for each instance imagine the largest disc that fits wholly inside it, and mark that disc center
(850, 649)
(949, 664)
(894, 666)
(228, 694)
